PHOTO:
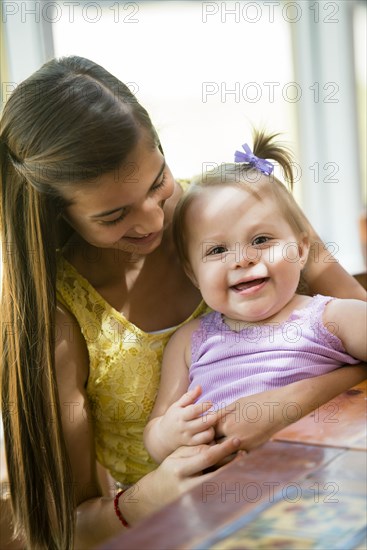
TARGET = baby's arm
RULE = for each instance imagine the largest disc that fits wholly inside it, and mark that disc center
(274, 407)
(347, 319)
(175, 419)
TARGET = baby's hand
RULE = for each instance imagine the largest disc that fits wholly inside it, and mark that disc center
(185, 423)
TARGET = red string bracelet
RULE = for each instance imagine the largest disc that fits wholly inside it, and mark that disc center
(117, 509)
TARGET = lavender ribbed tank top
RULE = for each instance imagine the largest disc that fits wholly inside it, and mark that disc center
(229, 364)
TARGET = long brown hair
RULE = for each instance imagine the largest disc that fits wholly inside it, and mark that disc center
(65, 125)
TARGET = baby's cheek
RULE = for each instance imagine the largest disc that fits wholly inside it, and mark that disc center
(283, 252)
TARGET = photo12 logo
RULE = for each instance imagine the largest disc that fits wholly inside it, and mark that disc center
(272, 92)
(269, 491)
(253, 12)
(53, 12)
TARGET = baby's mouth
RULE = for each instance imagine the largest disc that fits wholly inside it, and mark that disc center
(248, 284)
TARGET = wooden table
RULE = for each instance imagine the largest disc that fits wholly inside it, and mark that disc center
(305, 489)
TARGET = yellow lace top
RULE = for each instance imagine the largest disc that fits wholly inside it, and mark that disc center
(124, 374)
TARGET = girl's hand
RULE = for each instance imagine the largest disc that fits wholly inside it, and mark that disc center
(181, 471)
(255, 418)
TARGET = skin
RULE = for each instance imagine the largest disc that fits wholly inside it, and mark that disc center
(248, 270)
(128, 275)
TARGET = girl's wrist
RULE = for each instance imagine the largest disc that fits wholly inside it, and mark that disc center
(142, 499)
(118, 512)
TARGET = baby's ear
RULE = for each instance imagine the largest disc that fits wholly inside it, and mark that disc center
(189, 272)
(303, 248)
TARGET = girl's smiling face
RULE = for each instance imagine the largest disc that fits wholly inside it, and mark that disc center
(124, 209)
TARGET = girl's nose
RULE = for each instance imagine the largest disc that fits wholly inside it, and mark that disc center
(149, 218)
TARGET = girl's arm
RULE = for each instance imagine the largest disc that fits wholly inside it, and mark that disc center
(181, 471)
(96, 520)
(72, 370)
(276, 409)
(324, 274)
(175, 419)
(347, 319)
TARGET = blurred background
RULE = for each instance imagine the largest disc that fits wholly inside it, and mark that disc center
(207, 72)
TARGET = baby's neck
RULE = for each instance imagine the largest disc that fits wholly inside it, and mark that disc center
(297, 302)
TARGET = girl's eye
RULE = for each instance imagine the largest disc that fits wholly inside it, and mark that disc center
(160, 184)
(216, 250)
(113, 222)
(260, 240)
(123, 214)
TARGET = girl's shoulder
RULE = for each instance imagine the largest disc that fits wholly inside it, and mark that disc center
(71, 354)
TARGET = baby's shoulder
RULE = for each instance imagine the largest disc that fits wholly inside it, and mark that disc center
(180, 342)
(339, 309)
(185, 331)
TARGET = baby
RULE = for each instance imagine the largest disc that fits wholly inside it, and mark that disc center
(243, 241)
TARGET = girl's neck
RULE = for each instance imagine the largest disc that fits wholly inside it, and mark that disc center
(86, 257)
(142, 291)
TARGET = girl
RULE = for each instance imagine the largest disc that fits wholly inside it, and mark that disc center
(244, 243)
(87, 200)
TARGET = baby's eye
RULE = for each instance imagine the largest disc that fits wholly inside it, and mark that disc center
(260, 240)
(216, 250)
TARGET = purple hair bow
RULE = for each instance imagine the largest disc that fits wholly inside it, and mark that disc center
(265, 166)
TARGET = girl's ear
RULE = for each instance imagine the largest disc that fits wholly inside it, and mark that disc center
(303, 249)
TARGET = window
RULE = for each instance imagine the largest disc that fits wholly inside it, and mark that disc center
(205, 71)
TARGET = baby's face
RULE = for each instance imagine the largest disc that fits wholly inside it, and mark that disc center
(244, 255)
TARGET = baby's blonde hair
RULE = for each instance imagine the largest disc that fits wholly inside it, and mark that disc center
(246, 176)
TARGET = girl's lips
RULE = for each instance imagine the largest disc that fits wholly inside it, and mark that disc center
(150, 237)
(250, 287)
